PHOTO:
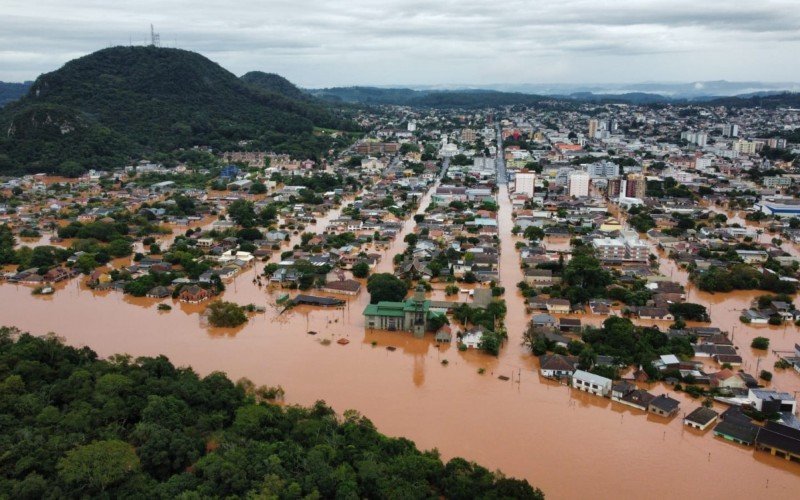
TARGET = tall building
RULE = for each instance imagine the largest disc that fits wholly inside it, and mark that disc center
(730, 130)
(698, 138)
(613, 188)
(602, 169)
(579, 184)
(635, 186)
(593, 128)
(744, 147)
(524, 183)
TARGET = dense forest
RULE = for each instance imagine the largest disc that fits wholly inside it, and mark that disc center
(274, 83)
(75, 426)
(124, 102)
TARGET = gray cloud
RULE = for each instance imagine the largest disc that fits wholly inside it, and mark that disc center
(344, 42)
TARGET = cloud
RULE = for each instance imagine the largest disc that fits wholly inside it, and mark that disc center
(342, 42)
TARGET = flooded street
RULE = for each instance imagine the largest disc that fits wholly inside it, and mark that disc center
(528, 427)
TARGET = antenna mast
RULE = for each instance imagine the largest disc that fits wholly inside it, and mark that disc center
(155, 38)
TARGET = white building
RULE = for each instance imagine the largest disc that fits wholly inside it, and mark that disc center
(579, 184)
(730, 130)
(589, 382)
(777, 181)
(628, 248)
(448, 150)
(698, 138)
(770, 401)
(603, 169)
(703, 162)
(744, 147)
(524, 183)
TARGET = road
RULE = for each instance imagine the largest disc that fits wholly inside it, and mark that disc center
(502, 175)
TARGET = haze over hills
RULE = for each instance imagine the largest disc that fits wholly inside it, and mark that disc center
(672, 90)
(10, 92)
(484, 98)
(103, 109)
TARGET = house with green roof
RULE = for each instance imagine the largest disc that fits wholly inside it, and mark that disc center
(411, 315)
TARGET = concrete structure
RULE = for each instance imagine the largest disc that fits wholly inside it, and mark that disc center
(636, 186)
(524, 183)
(730, 130)
(769, 401)
(579, 184)
(593, 128)
(602, 170)
(745, 147)
(628, 249)
(589, 382)
(777, 181)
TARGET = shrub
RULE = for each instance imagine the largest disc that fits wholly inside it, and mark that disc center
(765, 375)
(760, 343)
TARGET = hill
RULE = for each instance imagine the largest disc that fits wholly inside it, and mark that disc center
(426, 98)
(75, 426)
(103, 109)
(271, 82)
(12, 91)
(762, 100)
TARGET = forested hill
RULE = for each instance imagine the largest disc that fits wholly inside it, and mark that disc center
(12, 91)
(427, 98)
(74, 426)
(102, 109)
(773, 100)
(274, 83)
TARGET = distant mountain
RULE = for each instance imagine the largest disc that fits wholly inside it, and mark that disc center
(629, 97)
(103, 109)
(425, 98)
(697, 90)
(12, 91)
(476, 98)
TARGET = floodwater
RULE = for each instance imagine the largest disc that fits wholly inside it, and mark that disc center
(568, 443)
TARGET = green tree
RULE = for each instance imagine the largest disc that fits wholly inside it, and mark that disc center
(7, 242)
(96, 466)
(243, 213)
(360, 269)
(86, 263)
(386, 287)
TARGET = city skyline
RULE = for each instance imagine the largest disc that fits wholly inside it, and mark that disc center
(414, 43)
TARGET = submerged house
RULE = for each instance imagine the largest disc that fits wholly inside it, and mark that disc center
(411, 315)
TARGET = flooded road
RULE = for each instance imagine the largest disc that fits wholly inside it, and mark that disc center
(568, 443)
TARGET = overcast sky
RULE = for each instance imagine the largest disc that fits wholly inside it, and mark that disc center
(394, 42)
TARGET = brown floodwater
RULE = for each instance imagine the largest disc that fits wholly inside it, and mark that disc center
(568, 443)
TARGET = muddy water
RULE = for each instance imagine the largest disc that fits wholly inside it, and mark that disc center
(570, 444)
